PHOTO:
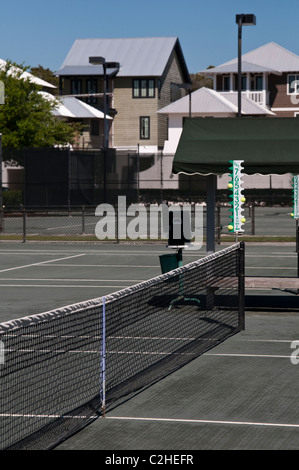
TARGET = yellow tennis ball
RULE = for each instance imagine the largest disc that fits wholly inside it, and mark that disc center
(243, 199)
(230, 228)
(230, 185)
(243, 220)
(292, 215)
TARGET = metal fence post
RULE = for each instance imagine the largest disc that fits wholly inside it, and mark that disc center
(1, 220)
(161, 177)
(241, 286)
(83, 220)
(219, 225)
(24, 225)
(117, 224)
(252, 219)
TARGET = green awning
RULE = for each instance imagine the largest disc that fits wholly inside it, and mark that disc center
(267, 145)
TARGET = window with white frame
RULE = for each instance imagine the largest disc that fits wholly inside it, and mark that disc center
(293, 84)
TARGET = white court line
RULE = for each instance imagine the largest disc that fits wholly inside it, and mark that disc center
(70, 280)
(274, 268)
(107, 266)
(203, 421)
(40, 263)
(19, 415)
(159, 420)
(271, 256)
(247, 355)
(269, 340)
(64, 286)
(157, 266)
(101, 251)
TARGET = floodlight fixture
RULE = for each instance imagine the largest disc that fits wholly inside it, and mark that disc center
(246, 20)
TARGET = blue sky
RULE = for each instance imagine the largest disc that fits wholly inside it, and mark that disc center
(34, 32)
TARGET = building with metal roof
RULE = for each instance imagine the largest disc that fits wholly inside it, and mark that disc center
(270, 77)
(138, 57)
(269, 57)
(138, 84)
(205, 103)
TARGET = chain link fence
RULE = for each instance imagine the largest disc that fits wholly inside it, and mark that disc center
(84, 224)
(53, 194)
(47, 178)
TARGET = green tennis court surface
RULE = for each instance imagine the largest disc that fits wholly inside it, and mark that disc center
(239, 395)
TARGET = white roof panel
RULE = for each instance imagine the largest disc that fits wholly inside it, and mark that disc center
(207, 101)
(72, 107)
(248, 106)
(26, 75)
(203, 100)
(232, 67)
(82, 110)
(270, 57)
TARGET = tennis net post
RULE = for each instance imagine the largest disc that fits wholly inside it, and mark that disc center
(241, 287)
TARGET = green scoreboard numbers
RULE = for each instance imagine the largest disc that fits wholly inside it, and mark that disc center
(237, 199)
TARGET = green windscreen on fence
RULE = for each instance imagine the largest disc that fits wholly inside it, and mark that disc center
(267, 145)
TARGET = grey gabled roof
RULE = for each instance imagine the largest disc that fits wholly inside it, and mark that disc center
(269, 58)
(137, 56)
(232, 67)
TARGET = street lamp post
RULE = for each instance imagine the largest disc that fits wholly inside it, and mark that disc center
(242, 20)
(188, 87)
(105, 65)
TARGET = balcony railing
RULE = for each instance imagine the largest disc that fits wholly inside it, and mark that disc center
(260, 97)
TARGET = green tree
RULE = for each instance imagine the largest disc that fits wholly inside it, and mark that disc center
(47, 75)
(199, 81)
(26, 118)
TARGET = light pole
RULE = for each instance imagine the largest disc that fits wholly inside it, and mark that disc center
(242, 20)
(188, 87)
(105, 65)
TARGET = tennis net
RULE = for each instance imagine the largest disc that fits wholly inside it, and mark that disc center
(64, 368)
